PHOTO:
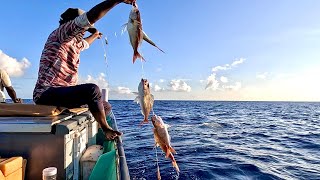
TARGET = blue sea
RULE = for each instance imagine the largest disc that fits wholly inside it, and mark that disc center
(225, 140)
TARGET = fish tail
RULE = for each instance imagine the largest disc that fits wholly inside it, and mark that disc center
(174, 162)
(137, 55)
(145, 121)
(172, 150)
(175, 165)
(169, 151)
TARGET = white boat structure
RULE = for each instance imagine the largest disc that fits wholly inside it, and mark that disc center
(61, 141)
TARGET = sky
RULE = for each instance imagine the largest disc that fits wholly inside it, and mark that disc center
(214, 50)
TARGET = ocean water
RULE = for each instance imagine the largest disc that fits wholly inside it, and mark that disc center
(225, 140)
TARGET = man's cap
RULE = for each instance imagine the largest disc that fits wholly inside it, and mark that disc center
(71, 14)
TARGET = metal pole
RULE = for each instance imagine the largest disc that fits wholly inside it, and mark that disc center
(123, 167)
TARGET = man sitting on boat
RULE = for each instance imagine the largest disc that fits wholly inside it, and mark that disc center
(5, 82)
(59, 62)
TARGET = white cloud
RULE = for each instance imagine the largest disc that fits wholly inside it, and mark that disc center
(13, 66)
(223, 79)
(161, 80)
(227, 66)
(179, 86)
(212, 83)
(157, 88)
(236, 62)
(100, 80)
(218, 68)
(234, 87)
(123, 90)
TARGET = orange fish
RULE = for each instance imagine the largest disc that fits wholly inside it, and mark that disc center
(145, 99)
(136, 34)
(162, 139)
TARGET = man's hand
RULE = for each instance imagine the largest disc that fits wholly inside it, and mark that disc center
(111, 134)
(95, 33)
(18, 100)
(98, 35)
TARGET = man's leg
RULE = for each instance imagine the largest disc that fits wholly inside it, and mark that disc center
(75, 96)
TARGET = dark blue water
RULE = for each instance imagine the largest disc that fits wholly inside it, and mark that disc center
(225, 140)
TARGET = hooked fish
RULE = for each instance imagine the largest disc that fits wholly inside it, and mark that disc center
(145, 99)
(136, 34)
(162, 139)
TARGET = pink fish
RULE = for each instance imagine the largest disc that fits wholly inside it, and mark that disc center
(136, 34)
(145, 99)
(162, 139)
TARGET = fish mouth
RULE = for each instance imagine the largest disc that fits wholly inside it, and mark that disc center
(153, 118)
(145, 84)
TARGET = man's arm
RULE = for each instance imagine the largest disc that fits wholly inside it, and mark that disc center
(98, 11)
(13, 95)
(95, 35)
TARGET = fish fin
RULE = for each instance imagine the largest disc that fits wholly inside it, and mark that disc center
(172, 150)
(168, 151)
(124, 28)
(141, 112)
(147, 39)
(167, 125)
(137, 55)
(137, 99)
(174, 163)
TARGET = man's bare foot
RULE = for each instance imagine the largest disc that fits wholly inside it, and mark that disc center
(111, 134)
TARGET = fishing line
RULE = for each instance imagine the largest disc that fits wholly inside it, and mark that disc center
(104, 50)
(142, 69)
(157, 160)
(105, 57)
